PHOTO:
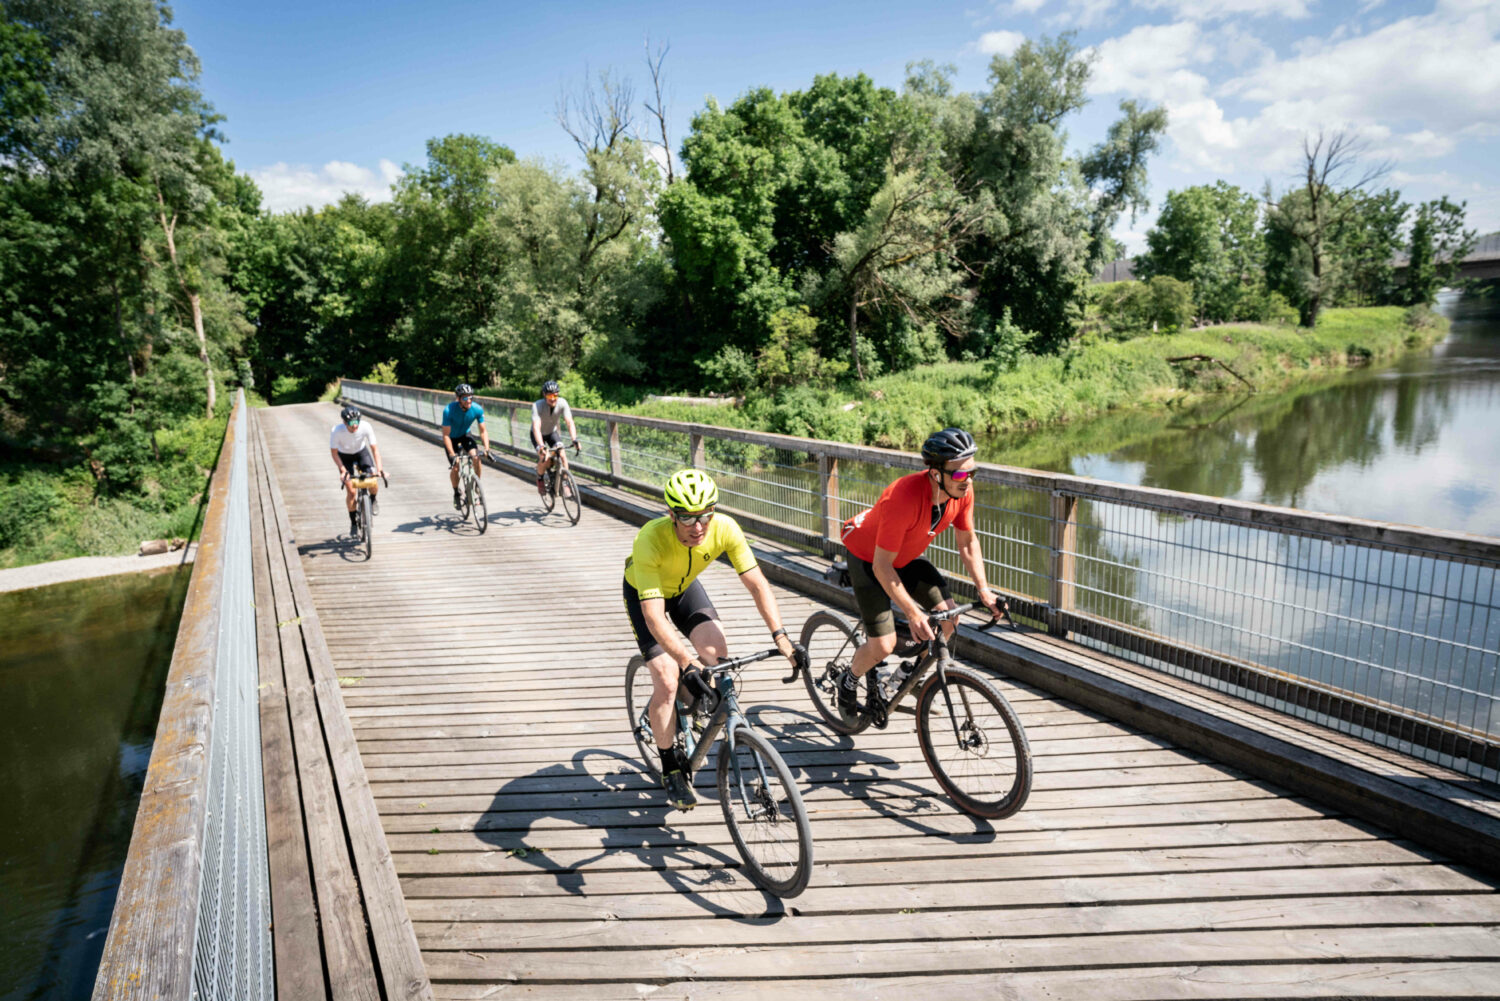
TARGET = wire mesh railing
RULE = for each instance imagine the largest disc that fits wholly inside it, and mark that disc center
(1389, 633)
(192, 917)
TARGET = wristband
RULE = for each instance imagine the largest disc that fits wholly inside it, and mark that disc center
(779, 632)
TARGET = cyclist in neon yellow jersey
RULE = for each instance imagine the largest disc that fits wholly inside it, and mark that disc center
(662, 591)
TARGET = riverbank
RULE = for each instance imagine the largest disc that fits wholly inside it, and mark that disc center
(90, 567)
(898, 411)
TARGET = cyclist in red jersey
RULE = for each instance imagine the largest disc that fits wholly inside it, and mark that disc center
(886, 544)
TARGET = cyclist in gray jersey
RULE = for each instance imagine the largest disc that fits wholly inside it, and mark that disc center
(546, 414)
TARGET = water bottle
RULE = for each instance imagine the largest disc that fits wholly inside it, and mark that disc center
(896, 679)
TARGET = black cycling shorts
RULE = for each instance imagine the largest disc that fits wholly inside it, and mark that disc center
(923, 581)
(687, 611)
(358, 464)
(553, 439)
(463, 443)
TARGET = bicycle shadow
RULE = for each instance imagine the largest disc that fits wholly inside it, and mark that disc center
(448, 523)
(346, 548)
(627, 808)
(820, 757)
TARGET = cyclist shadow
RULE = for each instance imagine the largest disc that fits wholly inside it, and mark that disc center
(836, 761)
(343, 547)
(432, 524)
(626, 808)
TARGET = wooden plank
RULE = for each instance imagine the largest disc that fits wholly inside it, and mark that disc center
(401, 969)
(298, 953)
(346, 948)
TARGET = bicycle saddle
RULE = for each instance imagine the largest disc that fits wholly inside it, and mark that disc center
(838, 574)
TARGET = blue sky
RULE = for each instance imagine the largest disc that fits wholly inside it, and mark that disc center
(322, 97)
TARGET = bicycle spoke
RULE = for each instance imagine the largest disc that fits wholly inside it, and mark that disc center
(974, 744)
(765, 814)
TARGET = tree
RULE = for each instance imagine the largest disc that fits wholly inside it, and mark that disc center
(1207, 235)
(1116, 170)
(1439, 244)
(1328, 196)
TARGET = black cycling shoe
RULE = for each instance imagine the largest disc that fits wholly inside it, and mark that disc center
(848, 698)
(679, 790)
(458, 501)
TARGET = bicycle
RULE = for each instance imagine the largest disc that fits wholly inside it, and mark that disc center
(559, 478)
(364, 503)
(760, 801)
(471, 492)
(985, 767)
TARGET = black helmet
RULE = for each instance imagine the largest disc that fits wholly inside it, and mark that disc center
(550, 386)
(463, 389)
(947, 445)
(349, 413)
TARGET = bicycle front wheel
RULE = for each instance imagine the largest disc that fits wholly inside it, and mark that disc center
(973, 742)
(765, 814)
(477, 508)
(571, 502)
(831, 641)
(637, 697)
(366, 526)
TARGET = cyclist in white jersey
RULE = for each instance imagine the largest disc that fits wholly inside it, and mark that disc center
(546, 414)
(355, 454)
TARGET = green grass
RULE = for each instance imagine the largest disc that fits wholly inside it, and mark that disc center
(1090, 379)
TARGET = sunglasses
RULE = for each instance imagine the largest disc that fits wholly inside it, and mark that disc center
(353, 423)
(960, 474)
(688, 518)
(464, 399)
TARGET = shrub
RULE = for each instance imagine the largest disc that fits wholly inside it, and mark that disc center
(1158, 305)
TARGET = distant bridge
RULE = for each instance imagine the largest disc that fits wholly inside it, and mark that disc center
(1482, 263)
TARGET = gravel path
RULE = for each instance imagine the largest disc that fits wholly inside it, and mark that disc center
(58, 571)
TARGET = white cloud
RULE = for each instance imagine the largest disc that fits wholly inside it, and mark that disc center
(287, 188)
(1150, 62)
(999, 43)
(1214, 10)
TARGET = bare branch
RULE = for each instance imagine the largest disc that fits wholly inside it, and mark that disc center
(659, 109)
(597, 116)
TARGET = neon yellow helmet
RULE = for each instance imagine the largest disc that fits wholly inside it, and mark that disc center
(691, 490)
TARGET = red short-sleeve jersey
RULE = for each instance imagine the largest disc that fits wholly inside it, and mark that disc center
(901, 520)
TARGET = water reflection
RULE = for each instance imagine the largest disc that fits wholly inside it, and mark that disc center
(82, 668)
(1417, 442)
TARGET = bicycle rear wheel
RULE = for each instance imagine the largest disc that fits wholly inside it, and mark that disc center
(831, 641)
(366, 527)
(549, 488)
(974, 744)
(571, 502)
(478, 509)
(637, 697)
(765, 814)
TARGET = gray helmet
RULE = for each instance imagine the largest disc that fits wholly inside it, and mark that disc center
(550, 386)
(463, 389)
(947, 445)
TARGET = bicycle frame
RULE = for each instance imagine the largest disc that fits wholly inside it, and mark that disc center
(728, 718)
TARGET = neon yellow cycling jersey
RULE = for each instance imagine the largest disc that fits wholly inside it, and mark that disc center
(659, 566)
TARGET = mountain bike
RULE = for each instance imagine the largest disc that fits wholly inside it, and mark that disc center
(470, 492)
(970, 736)
(760, 801)
(364, 509)
(559, 480)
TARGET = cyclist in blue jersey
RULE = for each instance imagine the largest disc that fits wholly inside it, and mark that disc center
(458, 418)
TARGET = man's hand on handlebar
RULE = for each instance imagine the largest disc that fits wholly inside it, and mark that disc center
(921, 629)
(989, 600)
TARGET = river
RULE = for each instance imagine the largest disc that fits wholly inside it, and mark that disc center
(1415, 442)
(82, 671)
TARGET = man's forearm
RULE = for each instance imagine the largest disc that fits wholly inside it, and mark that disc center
(973, 559)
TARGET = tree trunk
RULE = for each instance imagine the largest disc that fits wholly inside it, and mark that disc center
(854, 336)
(194, 302)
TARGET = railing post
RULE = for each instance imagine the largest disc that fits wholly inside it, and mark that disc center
(695, 450)
(510, 424)
(828, 477)
(1064, 542)
(616, 467)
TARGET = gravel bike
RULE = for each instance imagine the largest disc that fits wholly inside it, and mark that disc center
(760, 801)
(470, 492)
(970, 736)
(559, 480)
(364, 509)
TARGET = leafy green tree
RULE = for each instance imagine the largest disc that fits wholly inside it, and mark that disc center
(1116, 170)
(1366, 244)
(1439, 244)
(1207, 235)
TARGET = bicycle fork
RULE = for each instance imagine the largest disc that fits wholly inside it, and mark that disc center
(756, 807)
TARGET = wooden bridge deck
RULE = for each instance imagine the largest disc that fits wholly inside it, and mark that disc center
(483, 678)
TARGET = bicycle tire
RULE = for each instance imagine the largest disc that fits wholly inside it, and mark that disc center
(637, 698)
(479, 509)
(366, 526)
(783, 821)
(990, 756)
(571, 502)
(466, 502)
(830, 642)
(549, 488)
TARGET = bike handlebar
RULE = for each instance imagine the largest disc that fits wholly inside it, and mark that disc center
(724, 666)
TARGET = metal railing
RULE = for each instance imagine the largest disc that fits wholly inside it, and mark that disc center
(1387, 632)
(193, 913)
